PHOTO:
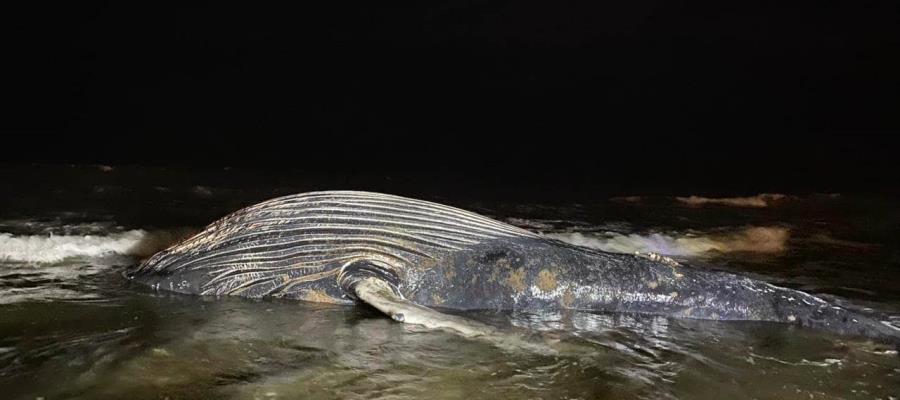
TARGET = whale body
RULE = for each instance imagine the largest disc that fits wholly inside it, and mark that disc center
(408, 258)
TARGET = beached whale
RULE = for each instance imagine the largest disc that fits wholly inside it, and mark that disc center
(408, 257)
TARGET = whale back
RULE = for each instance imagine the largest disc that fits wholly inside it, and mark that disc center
(294, 246)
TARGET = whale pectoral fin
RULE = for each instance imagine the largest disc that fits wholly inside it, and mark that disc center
(380, 294)
(376, 284)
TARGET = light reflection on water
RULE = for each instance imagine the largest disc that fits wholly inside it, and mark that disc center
(145, 345)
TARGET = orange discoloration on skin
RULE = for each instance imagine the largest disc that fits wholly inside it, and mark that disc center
(546, 280)
(426, 264)
(516, 280)
(450, 273)
(318, 296)
(499, 265)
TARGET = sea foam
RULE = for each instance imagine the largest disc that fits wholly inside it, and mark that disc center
(54, 248)
(758, 201)
(750, 239)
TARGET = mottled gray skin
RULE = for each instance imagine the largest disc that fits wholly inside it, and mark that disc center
(519, 271)
(544, 274)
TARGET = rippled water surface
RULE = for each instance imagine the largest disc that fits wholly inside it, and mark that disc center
(72, 327)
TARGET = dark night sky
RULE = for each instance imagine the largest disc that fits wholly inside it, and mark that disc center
(779, 95)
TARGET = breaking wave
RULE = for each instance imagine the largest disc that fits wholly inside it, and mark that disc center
(54, 248)
(761, 200)
(51, 248)
(752, 239)
(758, 201)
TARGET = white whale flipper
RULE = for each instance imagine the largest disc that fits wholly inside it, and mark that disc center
(378, 293)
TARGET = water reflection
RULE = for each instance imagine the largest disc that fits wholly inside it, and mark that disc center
(145, 345)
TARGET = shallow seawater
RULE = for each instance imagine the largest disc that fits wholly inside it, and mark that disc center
(72, 327)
